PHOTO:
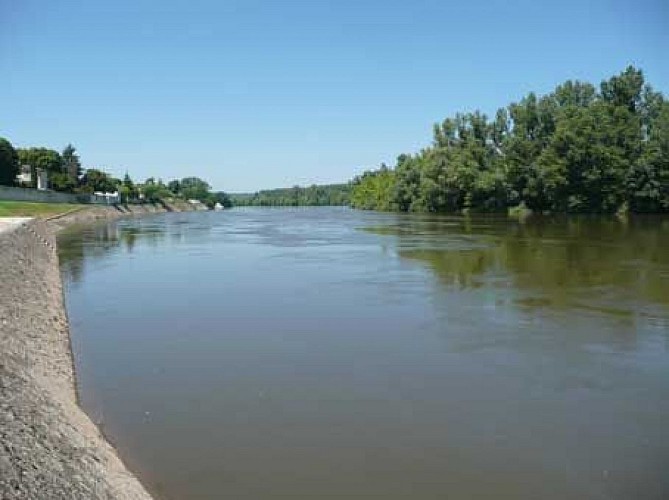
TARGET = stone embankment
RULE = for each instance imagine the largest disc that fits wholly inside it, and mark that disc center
(49, 448)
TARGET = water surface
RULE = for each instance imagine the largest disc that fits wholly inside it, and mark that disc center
(331, 353)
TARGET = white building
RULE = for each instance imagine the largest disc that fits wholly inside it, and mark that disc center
(42, 179)
(25, 177)
(110, 198)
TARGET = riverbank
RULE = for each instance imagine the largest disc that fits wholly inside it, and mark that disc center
(10, 208)
(50, 447)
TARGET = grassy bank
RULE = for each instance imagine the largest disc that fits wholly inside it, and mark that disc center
(29, 209)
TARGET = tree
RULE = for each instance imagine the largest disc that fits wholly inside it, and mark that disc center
(323, 195)
(374, 190)
(41, 158)
(46, 159)
(125, 193)
(174, 186)
(95, 180)
(154, 191)
(127, 181)
(127, 189)
(624, 90)
(218, 197)
(573, 150)
(194, 188)
(9, 163)
(71, 163)
(60, 181)
(648, 179)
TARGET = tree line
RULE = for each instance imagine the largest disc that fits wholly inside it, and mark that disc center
(579, 148)
(323, 195)
(66, 174)
(576, 149)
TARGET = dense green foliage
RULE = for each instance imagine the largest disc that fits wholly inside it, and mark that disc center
(64, 170)
(324, 195)
(95, 180)
(374, 190)
(65, 173)
(9, 163)
(194, 188)
(219, 197)
(71, 163)
(574, 150)
(127, 189)
(155, 190)
(43, 159)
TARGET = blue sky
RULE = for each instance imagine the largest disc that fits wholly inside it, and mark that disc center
(259, 94)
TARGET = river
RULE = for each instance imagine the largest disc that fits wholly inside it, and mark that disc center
(332, 353)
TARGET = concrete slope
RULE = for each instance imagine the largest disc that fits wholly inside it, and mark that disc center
(49, 448)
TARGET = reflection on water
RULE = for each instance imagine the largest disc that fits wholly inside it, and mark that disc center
(618, 269)
(610, 264)
(263, 353)
(99, 240)
(79, 244)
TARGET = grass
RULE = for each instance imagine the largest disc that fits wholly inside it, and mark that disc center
(29, 209)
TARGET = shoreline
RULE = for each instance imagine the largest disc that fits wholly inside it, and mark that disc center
(50, 447)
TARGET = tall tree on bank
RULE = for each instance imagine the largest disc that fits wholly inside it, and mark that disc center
(9, 163)
(194, 188)
(127, 190)
(574, 150)
(71, 163)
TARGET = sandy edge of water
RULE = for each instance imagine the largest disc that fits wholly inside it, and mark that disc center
(49, 448)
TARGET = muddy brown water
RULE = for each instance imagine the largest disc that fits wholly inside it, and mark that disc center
(333, 353)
